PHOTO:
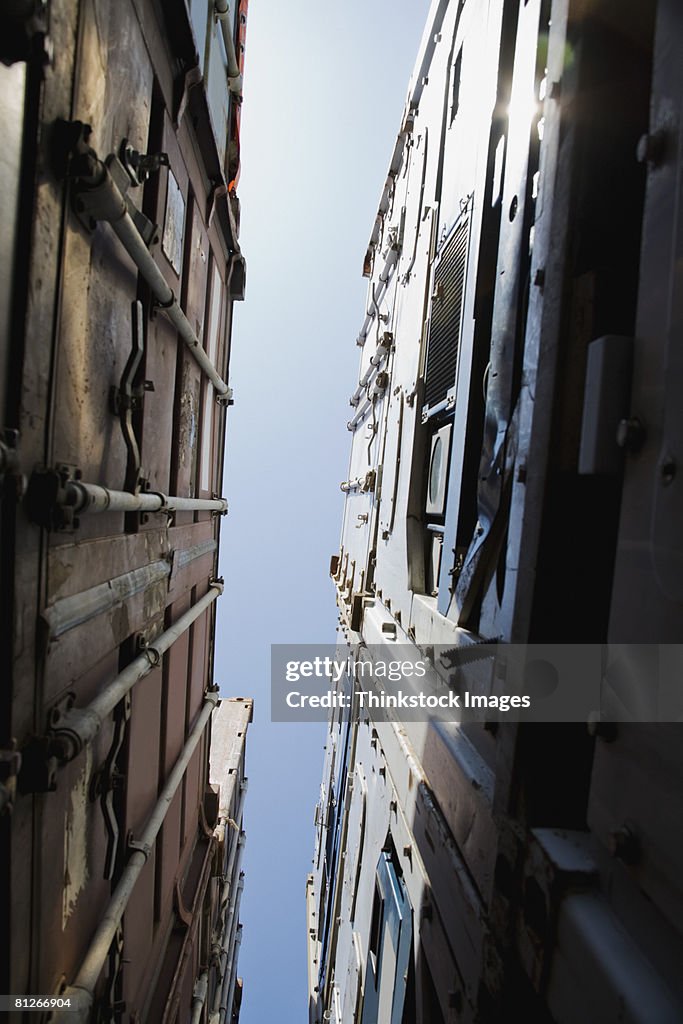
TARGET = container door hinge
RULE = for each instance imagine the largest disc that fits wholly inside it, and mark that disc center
(73, 158)
(140, 166)
(40, 757)
(46, 498)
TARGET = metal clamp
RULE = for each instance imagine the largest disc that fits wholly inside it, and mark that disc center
(158, 304)
(137, 847)
(74, 731)
(140, 166)
(152, 655)
(226, 399)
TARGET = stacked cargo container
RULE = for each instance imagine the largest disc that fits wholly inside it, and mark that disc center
(120, 859)
(514, 479)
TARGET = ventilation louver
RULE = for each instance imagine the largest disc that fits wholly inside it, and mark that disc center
(446, 317)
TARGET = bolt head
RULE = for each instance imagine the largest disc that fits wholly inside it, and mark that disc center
(630, 434)
(624, 844)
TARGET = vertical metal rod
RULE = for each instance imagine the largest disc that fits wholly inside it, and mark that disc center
(233, 977)
(199, 997)
(83, 498)
(222, 11)
(238, 821)
(81, 991)
(389, 264)
(134, 244)
(78, 727)
(225, 942)
(101, 198)
(230, 952)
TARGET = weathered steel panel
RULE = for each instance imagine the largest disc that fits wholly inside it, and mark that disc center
(175, 696)
(168, 852)
(187, 411)
(142, 771)
(540, 860)
(192, 797)
(162, 342)
(140, 924)
(69, 860)
(83, 594)
(198, 662)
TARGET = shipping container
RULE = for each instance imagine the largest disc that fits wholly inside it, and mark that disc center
(121, 264)
(514, 483)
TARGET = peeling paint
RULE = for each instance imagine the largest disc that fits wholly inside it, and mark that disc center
(75, 848)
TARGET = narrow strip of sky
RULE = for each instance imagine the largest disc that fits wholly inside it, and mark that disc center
(325, 85)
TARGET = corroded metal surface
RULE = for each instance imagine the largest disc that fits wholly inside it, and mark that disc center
(83, 602)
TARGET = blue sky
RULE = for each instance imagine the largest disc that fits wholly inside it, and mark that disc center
(325, 85)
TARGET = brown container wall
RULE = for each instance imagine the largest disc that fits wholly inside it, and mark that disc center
(101, 390)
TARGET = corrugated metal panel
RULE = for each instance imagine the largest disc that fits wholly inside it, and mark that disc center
(118, 68)
(446, 317)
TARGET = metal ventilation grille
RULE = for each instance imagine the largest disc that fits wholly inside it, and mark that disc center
(446, 315)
